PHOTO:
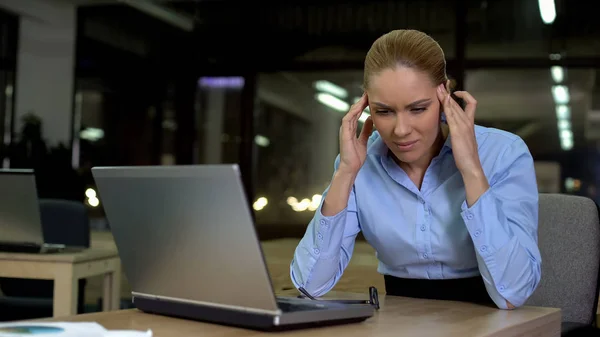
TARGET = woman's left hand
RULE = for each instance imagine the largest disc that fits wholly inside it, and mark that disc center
(462, 130)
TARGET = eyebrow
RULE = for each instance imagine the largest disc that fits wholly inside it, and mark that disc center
(413, 104)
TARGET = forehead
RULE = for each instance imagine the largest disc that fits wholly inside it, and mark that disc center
(400, 85)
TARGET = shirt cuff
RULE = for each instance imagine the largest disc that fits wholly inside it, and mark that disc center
(483, 223)
(326, 231)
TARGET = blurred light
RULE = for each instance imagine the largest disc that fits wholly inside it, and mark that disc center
(566, 134)
(302, 205)
(90, 193)
(169, 124)
(305, 204)
(92, 197)
(564, 124)
(91, 134)
(563, 112)
(262, 141)
(94, 202)
(566, 144)
(221, 82)
(363, 117)
(330, 88)
(558, 74)
(569, 184)
(8, 91)
(332, 102)
(572, 184)
(315, 202)
(260, 203)
(555, 56)
(292, 201)
(547, 11)
(560, 94)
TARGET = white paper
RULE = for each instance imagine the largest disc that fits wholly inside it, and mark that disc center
(65, 329)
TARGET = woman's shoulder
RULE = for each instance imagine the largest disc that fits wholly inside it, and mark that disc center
(501, 151)
(495, 142)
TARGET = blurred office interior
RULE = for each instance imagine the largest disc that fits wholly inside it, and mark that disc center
(98, 82)
(265, 85)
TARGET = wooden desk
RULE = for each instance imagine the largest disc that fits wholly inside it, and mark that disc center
(66, 269)
(398, 315)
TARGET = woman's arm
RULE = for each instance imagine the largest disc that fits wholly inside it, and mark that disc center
(326, 248)
(502, 218)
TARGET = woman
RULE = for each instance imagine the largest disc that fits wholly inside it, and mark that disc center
(450, 207)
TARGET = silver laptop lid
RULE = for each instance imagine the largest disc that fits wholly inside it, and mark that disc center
(185, 233)
(20, 220)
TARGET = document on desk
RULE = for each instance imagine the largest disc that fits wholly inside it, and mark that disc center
(65, 329)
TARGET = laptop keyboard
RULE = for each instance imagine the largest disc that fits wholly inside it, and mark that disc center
(287, 306)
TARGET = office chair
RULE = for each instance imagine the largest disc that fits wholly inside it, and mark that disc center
(569, 241)
(64, 222)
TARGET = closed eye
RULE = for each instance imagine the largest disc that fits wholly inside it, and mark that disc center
(418, 110)
(382, 111)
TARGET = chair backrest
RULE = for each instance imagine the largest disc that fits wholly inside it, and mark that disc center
(65, 222)
(569, 241)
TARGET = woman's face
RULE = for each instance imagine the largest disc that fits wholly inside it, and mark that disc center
(406, 112)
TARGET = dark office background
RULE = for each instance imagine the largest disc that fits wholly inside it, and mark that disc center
(151, 88)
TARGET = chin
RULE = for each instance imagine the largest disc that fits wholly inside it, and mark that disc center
(408, 157)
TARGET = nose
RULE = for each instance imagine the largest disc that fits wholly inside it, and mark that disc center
(402, 127)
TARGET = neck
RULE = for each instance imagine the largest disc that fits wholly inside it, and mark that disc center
(420, 166)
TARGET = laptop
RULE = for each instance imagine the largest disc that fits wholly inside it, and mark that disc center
(21, 228)
(189, 249)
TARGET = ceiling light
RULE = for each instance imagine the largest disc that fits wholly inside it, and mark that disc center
(568, 134)
(563, 112)
(91, 134)
(332, 102)
(363, 117)
(558, 73)
(330, 88)
(547, 11)
(261, 140)
(560, 94)
(235, 82)
(566, 143)
(564, 124)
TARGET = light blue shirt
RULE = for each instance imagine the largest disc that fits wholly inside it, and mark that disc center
(431, 233)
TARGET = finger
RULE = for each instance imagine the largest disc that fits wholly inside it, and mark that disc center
(357, 108)
(443, 98)
(366, 131)
(471, 103)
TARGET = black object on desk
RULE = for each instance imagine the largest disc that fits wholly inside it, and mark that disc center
(373, 298)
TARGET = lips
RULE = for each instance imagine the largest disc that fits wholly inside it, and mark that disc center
(406, 146)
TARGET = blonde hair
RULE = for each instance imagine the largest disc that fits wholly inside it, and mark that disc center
(407, 48)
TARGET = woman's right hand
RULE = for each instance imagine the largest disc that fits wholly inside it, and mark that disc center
(353, 150)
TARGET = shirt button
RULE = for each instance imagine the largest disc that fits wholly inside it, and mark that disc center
(477, 233)
(317, 251)
(320, 236)
(470, 216)
(425, 255)
(483, 248)
(423, 228)
(501, 288)
(322, 222)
